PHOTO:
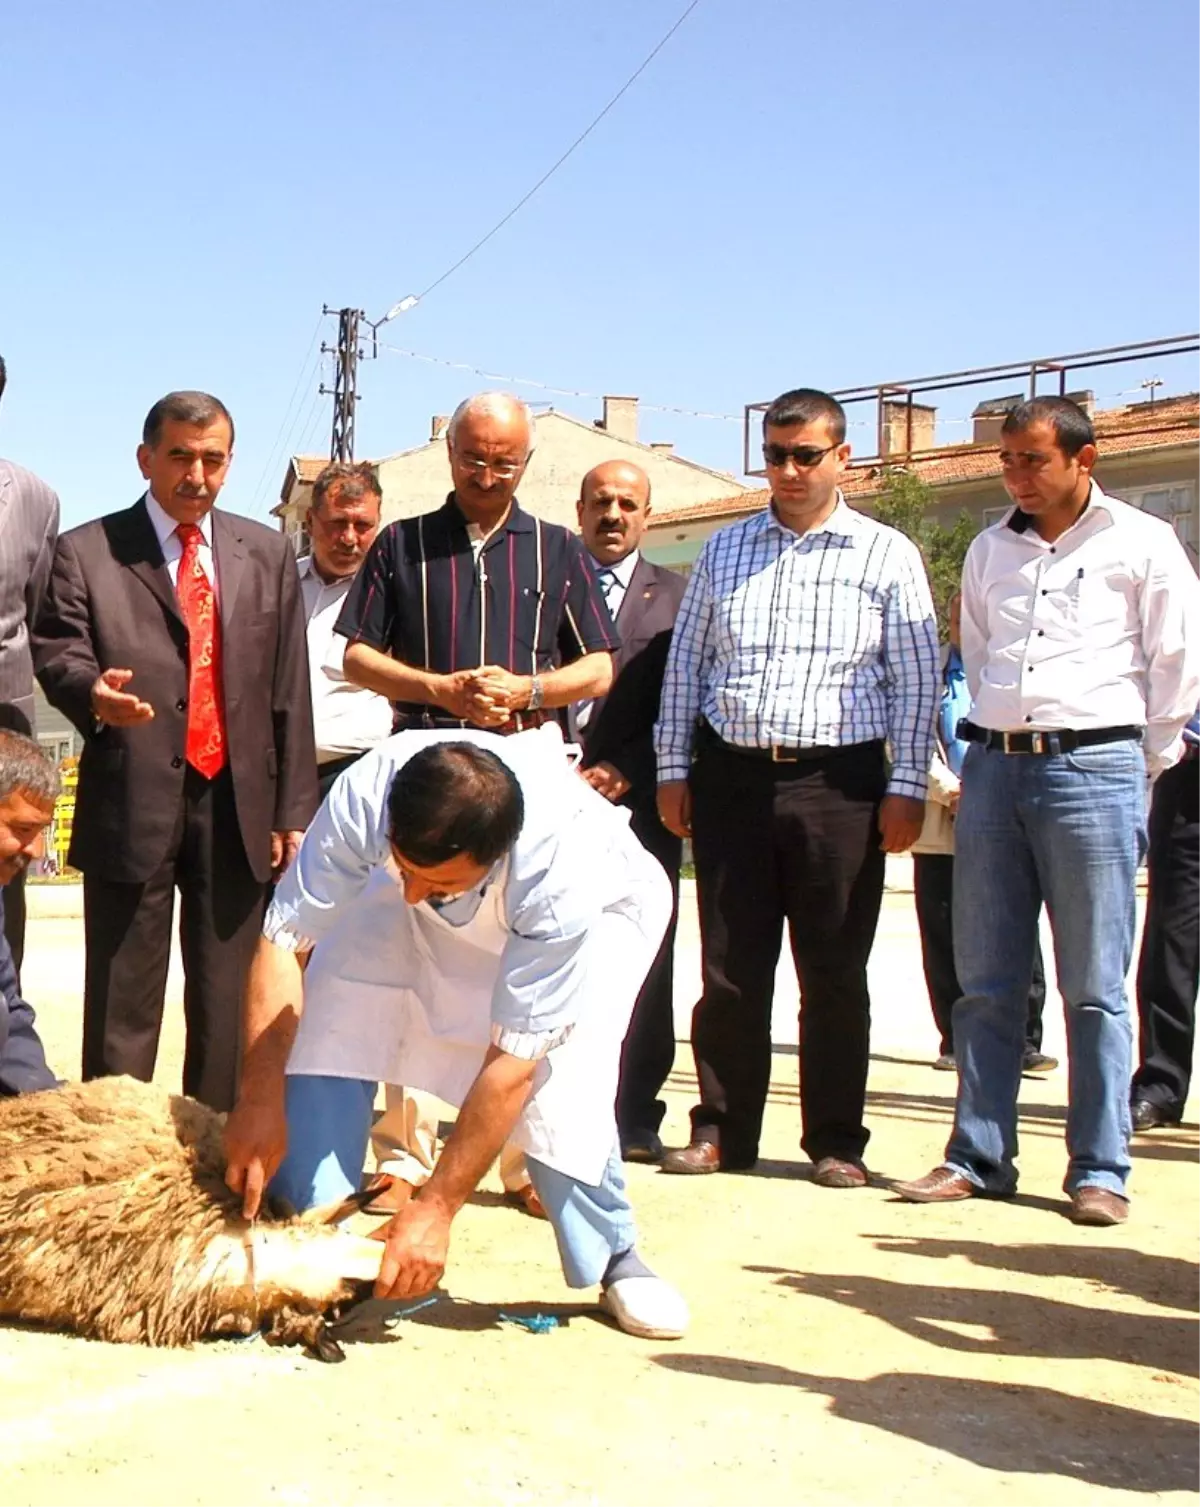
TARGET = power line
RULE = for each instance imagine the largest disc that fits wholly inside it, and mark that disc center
(578, 142)
(287, 414)
(566, 392)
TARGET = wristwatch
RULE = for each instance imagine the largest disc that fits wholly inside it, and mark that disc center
(536, 694)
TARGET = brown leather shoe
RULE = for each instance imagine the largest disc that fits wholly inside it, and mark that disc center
(1098, 1206)
(527, 1200)
(392, 1194)
(833, 1172)
(941, 1186)
(700, 1156)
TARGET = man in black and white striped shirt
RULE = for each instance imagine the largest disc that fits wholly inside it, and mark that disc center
(805, 643)
(476, 615)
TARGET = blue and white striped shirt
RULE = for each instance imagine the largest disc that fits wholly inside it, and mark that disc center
(822, 638)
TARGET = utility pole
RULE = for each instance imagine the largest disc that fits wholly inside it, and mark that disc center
(345, 382)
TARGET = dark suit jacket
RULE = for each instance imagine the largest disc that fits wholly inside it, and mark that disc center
(23, 1067)
(111, 605)
(28, 530)
(620, 731)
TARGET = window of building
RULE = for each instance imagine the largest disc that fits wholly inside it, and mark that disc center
(994, 515)
(1175, 504)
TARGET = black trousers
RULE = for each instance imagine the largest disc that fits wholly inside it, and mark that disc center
(933, 884)
(648, 1053)
(328, 773)
(128, 934)
(1169, 966)
(799, 843)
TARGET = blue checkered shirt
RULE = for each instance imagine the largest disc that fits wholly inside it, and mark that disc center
(816, 639)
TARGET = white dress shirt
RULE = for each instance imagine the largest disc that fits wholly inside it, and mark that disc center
(172, 545)
(347, 718)
(1098, 628)
(613, 581)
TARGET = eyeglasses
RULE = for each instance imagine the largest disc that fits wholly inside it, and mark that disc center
(805, 456)
(501, 470)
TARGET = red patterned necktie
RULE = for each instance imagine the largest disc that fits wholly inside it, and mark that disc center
(206, 709)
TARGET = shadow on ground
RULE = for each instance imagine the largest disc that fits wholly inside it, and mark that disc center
(1007, 1323)
(1169, 1281)
(995, 1425)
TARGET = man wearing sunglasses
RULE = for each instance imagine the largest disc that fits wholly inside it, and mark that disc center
(805, 643)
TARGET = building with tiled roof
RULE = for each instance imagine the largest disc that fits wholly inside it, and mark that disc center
(1148, 455)
(565, 448)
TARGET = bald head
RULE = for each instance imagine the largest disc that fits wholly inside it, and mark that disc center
(490, 440)
(613, 509)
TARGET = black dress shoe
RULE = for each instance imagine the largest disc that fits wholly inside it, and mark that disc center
(1147, 1115)
(646, 1147)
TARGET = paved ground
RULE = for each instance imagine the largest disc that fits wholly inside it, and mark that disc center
(846, 1348)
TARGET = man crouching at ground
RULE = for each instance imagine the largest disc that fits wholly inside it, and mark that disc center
(28, 790)
(483, 923)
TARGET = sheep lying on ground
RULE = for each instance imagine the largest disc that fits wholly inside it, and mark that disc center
(115, 1222)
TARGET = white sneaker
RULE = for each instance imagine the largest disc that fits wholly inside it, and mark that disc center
(647, 1307)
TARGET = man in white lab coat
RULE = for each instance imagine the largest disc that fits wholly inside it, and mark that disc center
(480, 923)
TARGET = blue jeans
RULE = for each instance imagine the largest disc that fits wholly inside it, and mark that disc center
(1069, 830)
(329, 1124)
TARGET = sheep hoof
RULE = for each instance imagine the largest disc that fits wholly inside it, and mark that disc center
(325, 1348)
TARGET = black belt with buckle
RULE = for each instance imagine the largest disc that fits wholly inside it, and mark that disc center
(781, 753)
(1059, 741)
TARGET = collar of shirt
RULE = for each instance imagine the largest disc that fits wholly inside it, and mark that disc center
(1095, 508)
(165, 526)
(308, 572)
(622, 571)
(517, 522)
(841, 523)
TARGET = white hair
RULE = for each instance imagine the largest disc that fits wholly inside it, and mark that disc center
(501, 404)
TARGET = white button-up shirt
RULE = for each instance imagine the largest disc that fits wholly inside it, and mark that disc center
(1098, 628)
(347, 718)
(172, 545)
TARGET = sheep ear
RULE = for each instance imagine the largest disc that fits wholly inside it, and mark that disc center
(353, 1203)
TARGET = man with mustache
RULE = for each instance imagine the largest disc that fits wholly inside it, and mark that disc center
(173, 638)
(28, 790)
(343, 519)
(617, 734)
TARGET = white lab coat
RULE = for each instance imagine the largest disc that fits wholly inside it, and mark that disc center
(396, 993)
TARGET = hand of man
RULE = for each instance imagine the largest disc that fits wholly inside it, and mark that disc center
(284, 847)
(461, 695)
(675, 807)
(900, 821)
(502, 688)
(610, 782)
(255, 1145)
(952, 801)
(116, 707)
(414, 1258)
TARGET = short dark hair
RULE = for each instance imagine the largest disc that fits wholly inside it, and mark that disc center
(347, 479)
(805, 405)
(1072, 427)
(454, 798)
(184, 408)
(25, 766)
(3, 376)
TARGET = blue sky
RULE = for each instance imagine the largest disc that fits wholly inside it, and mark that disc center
(792, 193)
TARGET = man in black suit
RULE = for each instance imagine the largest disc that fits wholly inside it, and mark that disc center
(173, 638)
(617, 734)
(28, 790)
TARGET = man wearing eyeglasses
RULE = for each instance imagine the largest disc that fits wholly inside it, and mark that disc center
(1081, 643)
(476, 615)
(805, 643)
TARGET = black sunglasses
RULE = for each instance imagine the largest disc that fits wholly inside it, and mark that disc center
(805, 456)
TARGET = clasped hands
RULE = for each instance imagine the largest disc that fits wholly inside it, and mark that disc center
(487, 696)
